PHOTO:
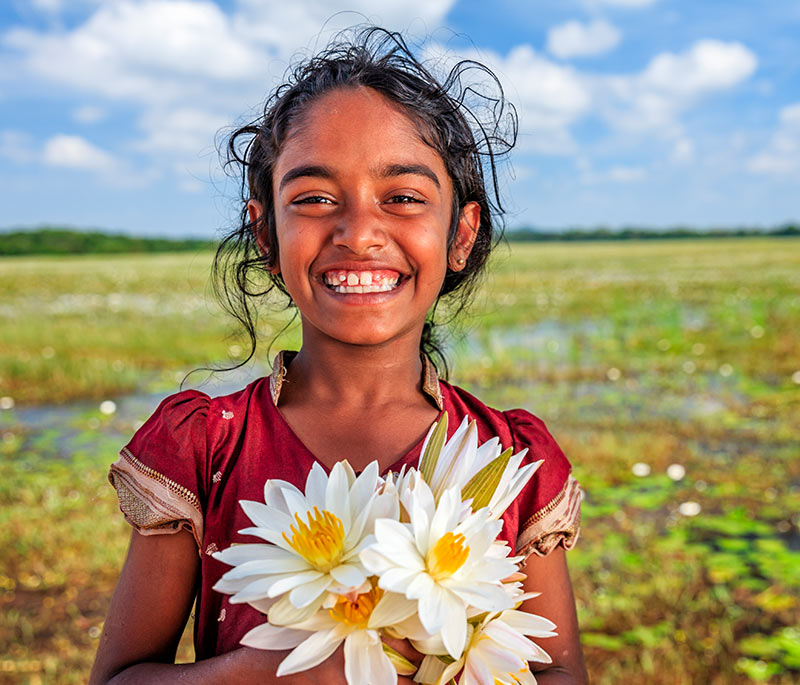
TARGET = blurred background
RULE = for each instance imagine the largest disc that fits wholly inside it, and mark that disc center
(646, 305)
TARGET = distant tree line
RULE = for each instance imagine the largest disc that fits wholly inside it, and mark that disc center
(65, 241)
(538, 235)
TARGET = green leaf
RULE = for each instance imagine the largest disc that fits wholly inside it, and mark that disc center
(482, 485)
(427, 465)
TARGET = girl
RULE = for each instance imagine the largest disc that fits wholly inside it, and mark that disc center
(365, 203)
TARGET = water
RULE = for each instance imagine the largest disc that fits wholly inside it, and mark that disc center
(61, 430)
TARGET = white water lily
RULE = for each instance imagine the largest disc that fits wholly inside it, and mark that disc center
(315, 540)
(354, 619)
(485, 474)
(498, 651)
(445, 558)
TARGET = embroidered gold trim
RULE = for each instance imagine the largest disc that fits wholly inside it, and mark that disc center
(153, 503)
(544, 545)
(178, 489)
(556, 523)
(430, 382)
(430, 379)
(276, 377)
(547, 508)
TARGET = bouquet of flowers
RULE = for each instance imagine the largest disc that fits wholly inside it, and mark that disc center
(414, 555)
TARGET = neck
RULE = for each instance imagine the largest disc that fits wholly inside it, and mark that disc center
(330, 371)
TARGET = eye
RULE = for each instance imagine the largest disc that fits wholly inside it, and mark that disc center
(313, 200)
(405, 199)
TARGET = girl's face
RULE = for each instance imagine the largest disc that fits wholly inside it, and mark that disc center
(362, 213)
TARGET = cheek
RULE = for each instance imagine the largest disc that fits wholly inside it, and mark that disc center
(295, 254)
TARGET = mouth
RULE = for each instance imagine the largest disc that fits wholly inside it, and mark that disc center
(346, 281)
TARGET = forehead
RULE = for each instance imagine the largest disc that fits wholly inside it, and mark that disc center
(350, 119)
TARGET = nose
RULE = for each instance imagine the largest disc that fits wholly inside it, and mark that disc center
(359, 228)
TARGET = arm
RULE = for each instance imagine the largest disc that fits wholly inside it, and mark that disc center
(147, 616)
(549, 575)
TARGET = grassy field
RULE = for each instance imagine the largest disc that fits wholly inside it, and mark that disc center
(668, 371)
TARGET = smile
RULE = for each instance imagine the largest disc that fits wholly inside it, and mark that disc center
(376, 281)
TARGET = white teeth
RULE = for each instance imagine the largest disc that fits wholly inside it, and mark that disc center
(350, 289)
(360, 282)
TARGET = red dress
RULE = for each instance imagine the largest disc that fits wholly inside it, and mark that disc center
(196, 457)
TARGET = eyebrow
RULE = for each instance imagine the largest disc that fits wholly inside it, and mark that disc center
(303, 171)
(403, 169)
(390, 170)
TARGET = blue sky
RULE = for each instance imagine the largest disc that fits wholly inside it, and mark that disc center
(632, 112)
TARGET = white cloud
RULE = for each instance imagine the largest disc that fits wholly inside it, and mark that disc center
(616, 174)
(148, 51)
(626, 174)
(549, 97)
(289, 26)
(185, 131)
(574, 39)
(682, 151)
(75, 152)
(89, 114)
(47, 6)
(627, 3)
(17, 146)
(671, 83)
(782, 154)
(707, 66)
(187, 66)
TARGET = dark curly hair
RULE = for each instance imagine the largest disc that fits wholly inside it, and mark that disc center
(465, 118)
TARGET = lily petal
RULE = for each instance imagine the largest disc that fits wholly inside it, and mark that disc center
(305, 594)
(528, 624)
(313, 651)
(267, 636)
(454, 624)
(392, 608)
(349, 575)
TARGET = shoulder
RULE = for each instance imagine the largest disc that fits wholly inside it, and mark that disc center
(163, 474)
(530, 432)
(546, 513)
(516, 428)
(191, 412)
(180, 411)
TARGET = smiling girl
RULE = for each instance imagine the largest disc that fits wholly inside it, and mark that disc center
(364, 201)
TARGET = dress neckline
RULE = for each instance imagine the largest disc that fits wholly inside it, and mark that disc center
(441, 399)
(430, 379)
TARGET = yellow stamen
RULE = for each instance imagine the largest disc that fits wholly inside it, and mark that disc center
(320, 542)
(447, 556)
(356, 612)
(510, 675)
(516, 678)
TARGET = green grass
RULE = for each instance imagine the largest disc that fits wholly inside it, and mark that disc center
(661, 353)
(92, 327)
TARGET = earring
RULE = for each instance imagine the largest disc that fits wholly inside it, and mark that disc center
(460, 261)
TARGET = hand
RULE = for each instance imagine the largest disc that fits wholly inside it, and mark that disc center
(263, 662)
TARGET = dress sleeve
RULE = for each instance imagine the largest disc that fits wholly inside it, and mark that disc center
(547, 512)
(160, 474)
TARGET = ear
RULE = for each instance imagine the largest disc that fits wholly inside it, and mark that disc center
(468, 224)
(259, 227)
